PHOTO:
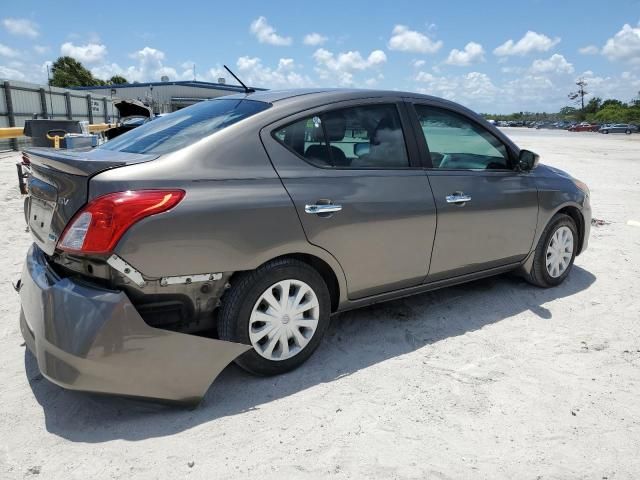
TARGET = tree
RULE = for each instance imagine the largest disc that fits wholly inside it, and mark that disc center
(579, 95)
(69, 72)
(612, 102)
(593, 106)
(612, 113)
(568, 112)
(117, 80)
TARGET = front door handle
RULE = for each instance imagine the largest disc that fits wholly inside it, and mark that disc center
(458, 198)
(316, 209)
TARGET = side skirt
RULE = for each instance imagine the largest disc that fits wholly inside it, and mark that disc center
(426, 287)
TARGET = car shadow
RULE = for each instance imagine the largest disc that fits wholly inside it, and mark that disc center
(355, 340)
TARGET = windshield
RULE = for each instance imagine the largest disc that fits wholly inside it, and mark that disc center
(184, 127)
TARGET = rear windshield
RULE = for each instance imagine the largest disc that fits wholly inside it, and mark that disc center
(184, 127)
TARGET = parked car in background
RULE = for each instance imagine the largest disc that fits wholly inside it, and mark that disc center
(584, 127)
(619, 128)
(263, 215)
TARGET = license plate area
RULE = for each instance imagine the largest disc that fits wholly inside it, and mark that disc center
(42, 205)
(40, 215)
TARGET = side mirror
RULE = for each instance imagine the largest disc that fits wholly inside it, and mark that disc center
(361, 148)
(527, 161)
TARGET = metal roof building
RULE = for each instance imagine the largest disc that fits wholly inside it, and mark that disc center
(167, 96)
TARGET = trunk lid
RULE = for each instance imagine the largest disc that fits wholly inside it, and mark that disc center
(132, 108)
(58, 186)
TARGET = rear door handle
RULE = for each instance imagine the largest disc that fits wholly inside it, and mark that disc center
(322, 208)
(458, 198)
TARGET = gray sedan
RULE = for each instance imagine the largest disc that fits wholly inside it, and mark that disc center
(259, 216)
(619, 128)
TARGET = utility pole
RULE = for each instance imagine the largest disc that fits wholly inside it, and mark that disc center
(50, 95)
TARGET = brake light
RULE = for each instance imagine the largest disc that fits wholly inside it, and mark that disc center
(98, 227)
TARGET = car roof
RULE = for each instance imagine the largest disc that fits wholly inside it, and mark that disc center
(312, 94)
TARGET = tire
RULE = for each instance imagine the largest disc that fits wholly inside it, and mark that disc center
(628, 132)
(540, 274)
(605, 131)
(243, 306)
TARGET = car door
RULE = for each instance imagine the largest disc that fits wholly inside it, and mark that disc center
(487, 211)
(355, 178)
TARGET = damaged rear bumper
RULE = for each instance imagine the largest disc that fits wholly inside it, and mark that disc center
(92, 339)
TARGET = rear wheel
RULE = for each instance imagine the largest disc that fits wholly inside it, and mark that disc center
(628, 132)
(555, 252)
(281, 309)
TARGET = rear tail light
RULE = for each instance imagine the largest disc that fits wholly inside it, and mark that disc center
(98, 227)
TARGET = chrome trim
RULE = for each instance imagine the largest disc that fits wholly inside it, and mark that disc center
(186, 279)
(127, 270)
(458, 198)
(326, 208)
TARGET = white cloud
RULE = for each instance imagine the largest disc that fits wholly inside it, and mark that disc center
(623, 87)
(554, 64)
(473, 87)
(286, 64)
(624, 45)
(41, 49)
(150, 67)
(265, 33)
(26, 72)
(314, 39)
(21, 26)
(472, 53)
(11, 73)
(418, 63)
(8, 51)
(531, 42)
(589, 50)
(341, 67)
(405, 40)
(348, 61)
(89, 53)
(254, 73)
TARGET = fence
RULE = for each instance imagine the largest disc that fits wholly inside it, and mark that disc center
(20, 101)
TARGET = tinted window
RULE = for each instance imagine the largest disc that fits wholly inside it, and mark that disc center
(358, 137)
(457, 143)
(184, 127)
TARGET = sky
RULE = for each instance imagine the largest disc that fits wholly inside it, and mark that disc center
(492, 56)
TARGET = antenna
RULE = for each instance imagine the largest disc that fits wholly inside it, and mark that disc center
(246, 89)
(194, 72)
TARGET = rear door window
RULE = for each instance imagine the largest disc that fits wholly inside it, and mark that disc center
(357, 137)
(184, 127)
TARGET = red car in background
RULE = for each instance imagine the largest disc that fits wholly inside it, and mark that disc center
(584, 127)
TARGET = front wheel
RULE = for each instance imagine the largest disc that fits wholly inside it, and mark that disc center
(628, 132)
(281, 309)
(555, 252)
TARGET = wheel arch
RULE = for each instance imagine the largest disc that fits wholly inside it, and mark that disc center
(575, 213)
(327, 273)
(335, 281)
(570, 209)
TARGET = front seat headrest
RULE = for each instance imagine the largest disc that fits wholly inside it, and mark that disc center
(335, 127)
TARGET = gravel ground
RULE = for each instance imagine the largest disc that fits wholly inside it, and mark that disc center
(494, 379)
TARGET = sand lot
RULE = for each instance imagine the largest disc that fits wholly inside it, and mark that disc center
(494, 379)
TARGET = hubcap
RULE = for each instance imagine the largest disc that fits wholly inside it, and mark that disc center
(284, 320)
(559, 252)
